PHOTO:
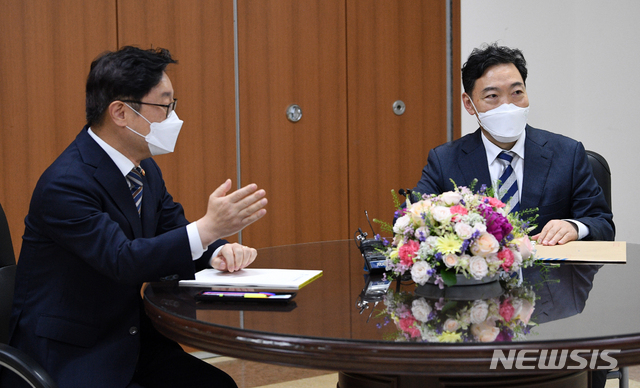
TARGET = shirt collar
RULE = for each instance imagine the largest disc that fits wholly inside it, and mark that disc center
(122, 162)
(493, 150)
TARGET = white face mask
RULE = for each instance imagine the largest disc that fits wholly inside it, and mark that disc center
(162, 136)
(504, 123)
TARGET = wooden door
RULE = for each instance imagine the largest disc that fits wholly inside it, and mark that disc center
(45, 53)
(293, 52)
(396, 52)
(199, 34)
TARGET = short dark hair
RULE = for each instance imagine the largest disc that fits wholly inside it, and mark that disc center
(129, 73)
(483, 58)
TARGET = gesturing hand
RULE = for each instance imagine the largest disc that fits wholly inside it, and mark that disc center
(229, 214)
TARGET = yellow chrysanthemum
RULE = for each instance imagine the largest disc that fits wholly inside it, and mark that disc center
(448, 244)
(448, 336)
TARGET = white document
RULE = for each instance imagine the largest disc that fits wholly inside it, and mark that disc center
(257, 278)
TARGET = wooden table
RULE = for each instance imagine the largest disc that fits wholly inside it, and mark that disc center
(325, 328)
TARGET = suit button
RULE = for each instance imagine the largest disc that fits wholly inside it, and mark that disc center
(133, 330)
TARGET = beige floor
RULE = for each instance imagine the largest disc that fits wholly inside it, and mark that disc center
(250, 374)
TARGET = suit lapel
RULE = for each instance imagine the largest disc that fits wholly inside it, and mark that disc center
(537, 163)
(473, 162)
(111, 179)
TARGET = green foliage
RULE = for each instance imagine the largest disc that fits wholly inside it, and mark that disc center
(384, 226)
(449, 277)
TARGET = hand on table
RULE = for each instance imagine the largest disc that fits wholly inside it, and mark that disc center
(233, 257)
(556, 232)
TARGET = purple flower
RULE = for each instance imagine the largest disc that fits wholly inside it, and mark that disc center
(497, 224)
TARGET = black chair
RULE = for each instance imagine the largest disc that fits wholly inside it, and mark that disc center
(12, 359)
(602, 173)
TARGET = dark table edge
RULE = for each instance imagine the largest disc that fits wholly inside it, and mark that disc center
(362, 356)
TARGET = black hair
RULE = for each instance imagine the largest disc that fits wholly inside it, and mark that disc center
(129, 73)
(483, 58)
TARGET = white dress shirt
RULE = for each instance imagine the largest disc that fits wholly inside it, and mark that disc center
(125, 166)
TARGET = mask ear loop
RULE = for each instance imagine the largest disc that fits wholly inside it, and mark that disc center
(475, 109)
(131, 129)
(139, 114)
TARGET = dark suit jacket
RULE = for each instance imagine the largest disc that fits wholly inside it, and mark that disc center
(557, 180)
(85, 254)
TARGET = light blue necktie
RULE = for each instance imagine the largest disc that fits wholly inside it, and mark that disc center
(508, 188)
(135, 180)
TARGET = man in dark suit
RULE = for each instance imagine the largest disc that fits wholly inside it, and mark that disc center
(93, 236)
(551, 170)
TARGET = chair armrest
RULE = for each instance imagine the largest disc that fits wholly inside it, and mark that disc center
(25, 367)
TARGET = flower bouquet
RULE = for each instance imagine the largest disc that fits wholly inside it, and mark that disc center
(505, 318)
(441, 237)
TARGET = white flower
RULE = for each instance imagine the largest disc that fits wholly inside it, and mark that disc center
(478, 267)
(450, 260)
(441, 214)
(451, 325)
(420, 309)
(480, 227)
(427, 246)
(419, 210)
(463, 230)
(451, 198)
(479, 311)
(517, 306)
(485, 245)
(463, 261)
(419, 272)
(401, 224)
(517, 260)
(485, 331)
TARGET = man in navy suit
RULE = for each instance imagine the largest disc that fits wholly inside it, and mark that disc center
(93, 236)
(551, 170)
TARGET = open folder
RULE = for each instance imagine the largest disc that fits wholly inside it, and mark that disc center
(585, 252)
(256, 278)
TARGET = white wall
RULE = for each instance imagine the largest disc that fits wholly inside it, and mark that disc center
(583, 58)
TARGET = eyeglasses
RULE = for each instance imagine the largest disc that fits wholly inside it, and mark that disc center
(169, 107)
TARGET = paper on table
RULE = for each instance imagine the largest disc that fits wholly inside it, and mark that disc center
(587, 252)
(257, 278)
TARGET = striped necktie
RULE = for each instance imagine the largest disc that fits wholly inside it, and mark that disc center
(135, 184)
(508, 187)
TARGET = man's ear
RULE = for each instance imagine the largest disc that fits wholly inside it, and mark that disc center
(466, 101)
(117, 112)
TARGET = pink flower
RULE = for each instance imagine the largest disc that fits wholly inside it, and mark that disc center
(526, 312)
(507, 258)
(506, 310)
(407, 252)
(494, 202)
(458, 210)
(524, 244)
(408, 326)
